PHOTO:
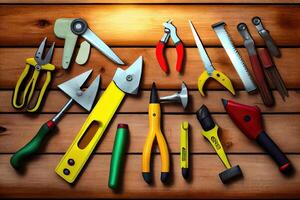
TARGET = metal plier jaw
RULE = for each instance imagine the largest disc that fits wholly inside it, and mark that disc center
(170, 31)
(23, 98)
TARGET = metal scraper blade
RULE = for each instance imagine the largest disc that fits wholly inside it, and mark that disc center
(234, 56)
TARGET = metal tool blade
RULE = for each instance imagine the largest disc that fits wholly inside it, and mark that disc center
(129, 80)
(248, 41)
(39, 52)
(91, 37)
(73, 86)
(204, 57)
(273, 49)
(234, 56)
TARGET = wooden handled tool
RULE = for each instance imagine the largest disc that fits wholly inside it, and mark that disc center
(264, 90)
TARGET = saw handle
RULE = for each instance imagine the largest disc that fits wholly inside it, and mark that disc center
(260, 78)
(273, 150)
(32, 147)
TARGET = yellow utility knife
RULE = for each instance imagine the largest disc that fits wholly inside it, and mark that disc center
(124, 82)
(23, 98)
(210, 71)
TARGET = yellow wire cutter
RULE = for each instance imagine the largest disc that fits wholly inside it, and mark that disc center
(210, 71)
(155, 131)
(39, 65)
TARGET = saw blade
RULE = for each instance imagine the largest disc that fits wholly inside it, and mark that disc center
(234, 56)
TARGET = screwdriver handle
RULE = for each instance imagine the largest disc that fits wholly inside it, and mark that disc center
(260, 78)
(118, 154)
(274, 151)
(32, 147)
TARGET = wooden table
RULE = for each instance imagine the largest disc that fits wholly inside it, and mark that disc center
(133, 28)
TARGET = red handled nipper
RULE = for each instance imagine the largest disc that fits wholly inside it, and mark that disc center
(170, 30)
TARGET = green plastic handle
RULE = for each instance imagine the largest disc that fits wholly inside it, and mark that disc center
(118, 155)
(32, 147)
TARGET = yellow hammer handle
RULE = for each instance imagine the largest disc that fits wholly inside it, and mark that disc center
(75, 158)
(212, 136)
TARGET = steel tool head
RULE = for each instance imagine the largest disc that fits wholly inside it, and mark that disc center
(39, 53)
(129, 80)
(73, 86)
(203, 55)
(179, 97)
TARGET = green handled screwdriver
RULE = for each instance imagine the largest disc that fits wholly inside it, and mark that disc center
(118, 155)
(72, 88)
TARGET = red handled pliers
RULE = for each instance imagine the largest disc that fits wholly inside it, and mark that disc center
(170, 30)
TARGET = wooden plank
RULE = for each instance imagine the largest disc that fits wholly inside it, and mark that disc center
(148, 1)
(21, 128)
(261, 179)
(138, 25)
(12, 65)
(56, 99)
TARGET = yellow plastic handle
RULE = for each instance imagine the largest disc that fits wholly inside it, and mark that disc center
(218, 76)
(30, 86)
(75, 158)
(212, 136)
(184, 145)
(155, 130)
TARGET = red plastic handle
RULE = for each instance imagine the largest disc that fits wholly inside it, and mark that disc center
(260, 78)
(180, 56)
(160, 56)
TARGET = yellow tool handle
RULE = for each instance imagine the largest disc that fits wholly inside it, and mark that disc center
(218, 76)
(184, 145)
(41, 94)
(17, 88)
(30, 86)
(155, 130)
(76, 156)
(212, 136)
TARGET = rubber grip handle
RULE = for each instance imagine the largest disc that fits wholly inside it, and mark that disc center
(205, 118)
(180, 56)
(160, 56)
(263, 87)
(118, 155)
(32, 147)
(273, 150)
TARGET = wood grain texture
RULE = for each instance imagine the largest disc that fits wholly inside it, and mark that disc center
(148, 1)
(279, 127)
(117, 26)
(205, 184)
(56, 100)
(12, 65)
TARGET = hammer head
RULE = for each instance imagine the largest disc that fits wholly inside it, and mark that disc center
(184, 95)
(73, 86)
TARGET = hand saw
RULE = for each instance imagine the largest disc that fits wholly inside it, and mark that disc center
(124, 82)
(234, 56)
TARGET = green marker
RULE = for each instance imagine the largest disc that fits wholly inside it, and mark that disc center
(117, 158)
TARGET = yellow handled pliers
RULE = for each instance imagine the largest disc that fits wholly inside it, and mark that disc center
(210, 71)
(155, 131)
(28, 85)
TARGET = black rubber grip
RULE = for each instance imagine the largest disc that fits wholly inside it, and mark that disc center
(205, 118)
(273, 150)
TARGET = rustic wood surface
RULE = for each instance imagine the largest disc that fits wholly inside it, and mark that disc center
(133, 28)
